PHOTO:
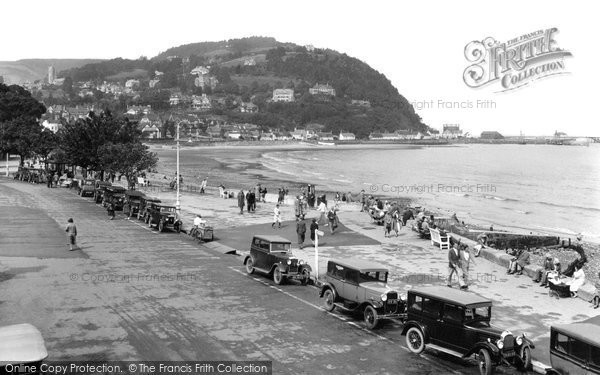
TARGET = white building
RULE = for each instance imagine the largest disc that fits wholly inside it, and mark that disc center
(322, 89)
(283, 95)
(199, 71)
(347, 137)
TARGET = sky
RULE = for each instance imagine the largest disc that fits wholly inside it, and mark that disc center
(419, 46)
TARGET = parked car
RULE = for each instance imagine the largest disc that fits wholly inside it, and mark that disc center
(575, 348)
(22, 346)
(359, 286)
(114, 195)
(131, 204)
(99, 187)
(163, 217)
(272, 255)
(86, 187)
(145, 203)
(458, 323)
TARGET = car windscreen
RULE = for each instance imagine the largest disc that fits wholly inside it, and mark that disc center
(478, 314)
(167, 209)
(280, 247)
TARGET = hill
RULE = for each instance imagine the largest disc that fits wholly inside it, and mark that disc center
(360, 99)
(33, 69)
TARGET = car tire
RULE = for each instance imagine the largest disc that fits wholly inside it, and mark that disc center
(526, 358)
(161, 226)
(249, 266)
(305, 276)
(329, 299)
(485, 362)
(370, 317)
(278, 277)
(415, 341)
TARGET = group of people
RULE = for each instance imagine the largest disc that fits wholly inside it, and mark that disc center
(459, 260)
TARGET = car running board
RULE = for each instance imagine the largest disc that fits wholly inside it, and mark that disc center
(445, 350)
(344, 308)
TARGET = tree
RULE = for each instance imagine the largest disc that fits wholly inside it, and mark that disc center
(46, 142)
(21, 136)
(126, 158)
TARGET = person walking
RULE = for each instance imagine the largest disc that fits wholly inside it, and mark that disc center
(49, 180)
(301, 231)
(111, 211)
(454, 266)
(465, 260)
(298, 207)
(241, 201)
(332, 218)
(322, 210)
(203, 185)
(313, 227)
(55, 180)
(72, 233)
(276, 216)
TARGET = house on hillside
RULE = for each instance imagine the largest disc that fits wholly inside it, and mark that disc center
(249, 61)
(347, 137)
(322, 89)
(132, 84)
(325, 136)
(283, 95)
(248, 107)
(153, 82)
(199, 71)
(361, 103)
(376, 136)
(174, 100)
(201, 103)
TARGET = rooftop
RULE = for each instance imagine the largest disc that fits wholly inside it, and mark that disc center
(587, 330)
(272, 238)
(452, 295)
(361, 265)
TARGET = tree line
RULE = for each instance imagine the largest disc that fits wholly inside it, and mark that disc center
(99, 142)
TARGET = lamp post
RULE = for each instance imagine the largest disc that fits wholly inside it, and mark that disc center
(177, 202)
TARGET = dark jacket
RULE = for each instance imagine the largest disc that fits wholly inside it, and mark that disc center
(241, 200)
(453, 258)
(313, 226)
(301, 227)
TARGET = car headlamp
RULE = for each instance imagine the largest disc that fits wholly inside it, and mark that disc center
(519, 340)
(384, 297)
(289, 262)
(300, 262)
(500, 344)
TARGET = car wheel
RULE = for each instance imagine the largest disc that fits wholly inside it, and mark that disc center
(526, 357)
(250, 266)
(370, 316)
(485, 362)
(329, 300)
(415, 342)
(278, 276)
(161, 226)
(305, 276)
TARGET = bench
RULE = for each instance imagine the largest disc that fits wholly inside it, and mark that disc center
(443, 241)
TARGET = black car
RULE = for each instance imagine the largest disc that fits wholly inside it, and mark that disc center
(145, 203)
(458, 323)
(575, 348)
(273, 256)
(131, 205)
(114, 195)
(163, 217)
(87, 187)
(99, 189)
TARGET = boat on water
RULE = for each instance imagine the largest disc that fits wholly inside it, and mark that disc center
(326, 143)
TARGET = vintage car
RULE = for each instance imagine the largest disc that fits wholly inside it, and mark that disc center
(458, 323)
(115, 195)
(145, 203)
(131, 205)
(22, 347)
(163, 217)
(99, 187)
(575, 348)
(356, 285)
(272, 255)
(86, 187)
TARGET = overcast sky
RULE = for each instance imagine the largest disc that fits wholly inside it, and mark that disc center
(418, 46)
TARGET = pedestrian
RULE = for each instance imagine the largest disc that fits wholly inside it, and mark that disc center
(322, 210)
(454, 265)
(314, 226)
(55, 180)
(298, 207)
(387, 224)
(111, 210)
(251, 199)
(465, 260)
(203, 185)
(280, 196)
(332, 218)
(276, 216)
(263, 195)
(241, 201)
(49, 180)
(72, 233)
(301, 231)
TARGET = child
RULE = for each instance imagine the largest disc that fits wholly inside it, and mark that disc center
(72, 232)
(276, 216)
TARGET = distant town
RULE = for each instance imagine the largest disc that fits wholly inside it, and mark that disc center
(197, 116)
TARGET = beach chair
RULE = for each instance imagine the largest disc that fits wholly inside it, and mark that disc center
(443, 241)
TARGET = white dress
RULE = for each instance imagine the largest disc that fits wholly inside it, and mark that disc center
(577, 280)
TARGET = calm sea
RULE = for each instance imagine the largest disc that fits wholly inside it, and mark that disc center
(539, 188)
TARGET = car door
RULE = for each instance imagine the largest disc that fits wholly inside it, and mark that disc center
(451, 331)
(257, 253)
(336, 278)
(351, 287)
(431, 311)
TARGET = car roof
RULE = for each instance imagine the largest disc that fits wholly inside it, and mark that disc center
(272, 238)
(359, 264)
(451, 295)
(21, 343)
(134, 193)
(587, 330)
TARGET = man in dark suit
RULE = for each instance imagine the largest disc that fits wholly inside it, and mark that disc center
(301, 231)
(454, 266)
